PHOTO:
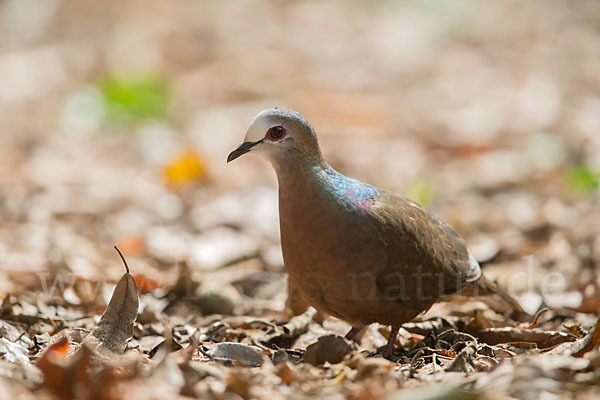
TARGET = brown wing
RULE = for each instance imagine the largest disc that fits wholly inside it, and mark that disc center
(426, 258)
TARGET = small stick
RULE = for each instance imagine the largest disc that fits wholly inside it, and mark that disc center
(122, 258)
(536, 318)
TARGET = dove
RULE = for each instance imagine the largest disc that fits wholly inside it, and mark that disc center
(359, 253)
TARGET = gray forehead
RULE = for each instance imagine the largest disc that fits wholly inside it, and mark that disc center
(278, 115)
(272, 117)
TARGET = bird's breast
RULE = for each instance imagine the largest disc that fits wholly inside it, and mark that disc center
(329, 250)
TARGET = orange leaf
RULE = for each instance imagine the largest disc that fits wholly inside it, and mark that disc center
(184, 169)
(145, 284)
(130, 244)
(56, 351)
(51, 365)
(446, 353)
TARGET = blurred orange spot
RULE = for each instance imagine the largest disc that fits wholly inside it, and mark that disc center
(184, 169)
(130, 245)
(446, 353)
(470, 150)
(60, 348)
(56, 351)
(145, 284)
(287, 379)
(340, 376)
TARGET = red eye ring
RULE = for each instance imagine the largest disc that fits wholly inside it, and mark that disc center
(276, 133)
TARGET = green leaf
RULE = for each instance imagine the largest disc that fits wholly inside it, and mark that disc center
(135, 98)
(580, 178)
(421, 192)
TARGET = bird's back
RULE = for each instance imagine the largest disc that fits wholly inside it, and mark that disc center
(421, 250)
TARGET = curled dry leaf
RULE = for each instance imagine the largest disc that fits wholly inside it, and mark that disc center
(581, 346)
(575, 330)
(288, 333)
(115, 327)
(299, 325)
(463, 362)
(591, 341)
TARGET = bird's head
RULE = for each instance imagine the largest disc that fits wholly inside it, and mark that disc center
(279, 135)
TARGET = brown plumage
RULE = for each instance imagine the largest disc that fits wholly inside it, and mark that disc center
(354, 251)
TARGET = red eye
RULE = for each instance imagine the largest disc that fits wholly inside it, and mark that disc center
(276, 133)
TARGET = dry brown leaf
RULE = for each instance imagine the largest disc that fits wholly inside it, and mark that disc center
(59, 375)
(330, 348)
(56, 351)
(589, 342)
(529, 337)
(285, 373)
(576, 330)
(115, 327)
(185, 285)
(589, 305)
(74, 377)
(238, 383)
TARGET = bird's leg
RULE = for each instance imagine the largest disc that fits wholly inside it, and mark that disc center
(389, 347)
(352, 333)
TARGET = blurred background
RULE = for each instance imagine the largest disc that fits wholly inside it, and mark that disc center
(116, 119)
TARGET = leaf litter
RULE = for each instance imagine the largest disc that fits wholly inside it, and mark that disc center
(510, 160)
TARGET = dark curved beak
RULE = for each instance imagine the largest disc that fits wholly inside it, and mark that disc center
(242, 149)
